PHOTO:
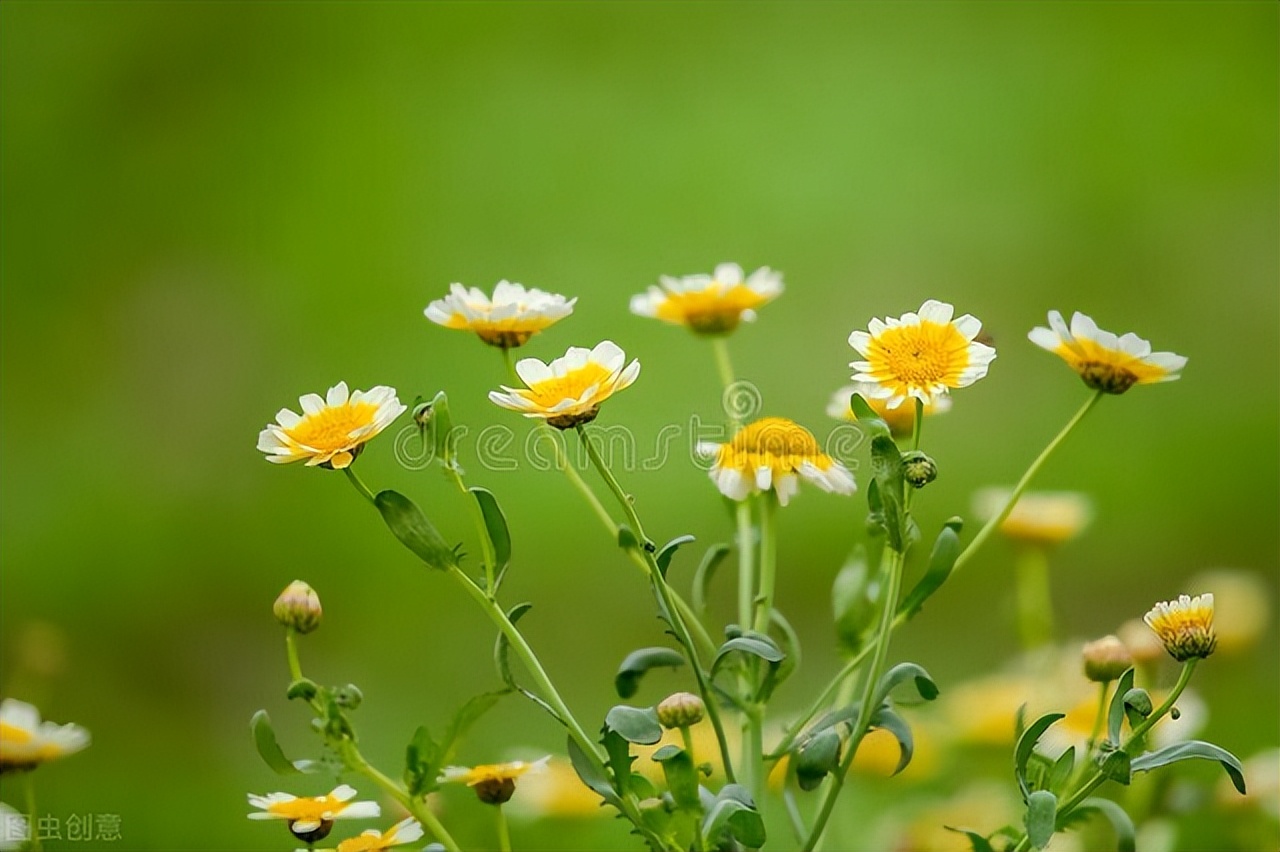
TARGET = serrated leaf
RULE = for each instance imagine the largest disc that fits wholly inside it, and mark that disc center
(1027, 744)
(819, 756)
(637, 725)
(1126, 836)
(887, 720)
(1115, 712)
(264, 738)
(1189, 750)
(637, 663)
(618, 751)
(1042, 812)
(946, 549)
(901, 673)
(706, 570)
(495, 524)
(681, 775)
(669, 550)
(410, 526)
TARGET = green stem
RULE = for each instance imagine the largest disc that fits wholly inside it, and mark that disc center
(33, 822)
(999, 518)
(1035, 603)
(768, 561)
(488, 555)
(504, 832)
(883, 634)
(291, 650)
(917, 425)
(664, 594)
(359, 484)
(746, 563)
(823, 699)
(720, 346)
(416, 806)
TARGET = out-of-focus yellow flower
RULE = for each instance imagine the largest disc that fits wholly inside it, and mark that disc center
(311, 818)
(26, 742)
(1241, 604)
(920, 355)
(901, 420)
(1144, 645)
(1185, 626)
(706, 749)
(1262, 784)
(332, 430)
(493, 783)
(1039, 517)
(405, 831)
(710, 304)
(508, 320)
(570, 389)
(1104, 361)
(557, 792)
(979, 807)
(774, 453)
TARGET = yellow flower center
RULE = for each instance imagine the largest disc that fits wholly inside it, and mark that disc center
(572, 385)
(12, 734)
(919, 356)
(367, 842)
(773, 442)
(306, 810)
(710, 310)
(330, 428)
(1108, 369)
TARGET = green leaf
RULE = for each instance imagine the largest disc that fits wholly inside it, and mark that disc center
(669, 550)
(420, 756)
(303, 688)
(442, 430)
(886, 467)
(1137, 706)
(1027, 744)
(682, 777)
(1042, 812)
(977, 842)
(1192, 749)
(264, 737)
(819, 756)
(408, 524)
(887, 720)
(502, 646)
(620, 759)
(752, 644)
(1126, 839)
(900, 674)
(790, 648)
(1116, 766)
(854, 595)
(627, 539)
(733, 814)
(637, 663)
(466, 716)
(946, 549)
(871, 424)
(1115, 713)
(590, 774)
(1060, 774)
(634, 724)
(706, 570)
(495, 524)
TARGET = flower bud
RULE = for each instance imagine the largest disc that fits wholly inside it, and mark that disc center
(298, 607)
(918, 469)
(1106, 659)
(680, 710)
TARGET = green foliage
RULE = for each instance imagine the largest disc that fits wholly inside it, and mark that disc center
(817, 757)
(627, 681)
(900, 674)
(855, 594)
(634, 724)
(410, 526)
(1027, 744)
(681, 776)
(733, 816)
(426, 757)
(886, 467)
(1041, 817)
(590, 774)
(264, 738)
(1137, 706)
(502, 660)
(977, 842)
(946, 549)
(668, 550)
(1126, 839)
(495, 524)
(1189, 750)
(1115, 711)
(706, 571)
(886, 719)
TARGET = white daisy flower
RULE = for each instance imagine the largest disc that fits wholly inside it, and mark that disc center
(569, 390)
(405, 831)
(710, 304)
(1185, 626)
(494, 783)
(901, 420)
(920, 355)
(311, 818)
(332, 430)
(26, 742)
(1104, 361)
(508, 320)
(774, 453)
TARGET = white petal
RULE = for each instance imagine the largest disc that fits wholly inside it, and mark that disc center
(287, 418)
(764, 477)
(938, 312)
(531, 371)
(861, 341)
(1132, 344)
(1083, 327)
(359, 810)
(312, 403)
(729, 274)
(608, 355)
(338, 395)
(1059, 325)
(1044, 338)
(968, 326)
(1166, 360)
(786, 487)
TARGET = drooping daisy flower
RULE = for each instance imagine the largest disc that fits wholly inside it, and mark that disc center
(311, 818)
(710, 304)
(508, 320)
(920, 355)
(26, 742)
(1185, 626)
(1039, 517)
(332, 430)
(494, 783)
(569, 390)
(405, 831)
(1104, 361)
(901, 420)
(774, 453)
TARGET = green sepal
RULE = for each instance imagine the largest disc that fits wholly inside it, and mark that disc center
(1115, 712)
(668, 550)
(1192, 749)
(706, 570)
(977, 842)
(818, 757)
(946, 549)
(409, 524)
(681, 775)
(495, 524)
(1042, 812)
(590, 774)
(634, 724)
(900, 674)
(733, 814)
(887, 720)
(627, 681)
(264, 738)
(1126, 835)
(1027, 744)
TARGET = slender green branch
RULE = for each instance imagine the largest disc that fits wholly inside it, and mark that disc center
(291, 651)
(824, 698)
(720, 346)
(999, 518)
(359, 484)
(768, 561)
(917, 425)
(504, 831)
(488, 555)
(1035, 603)
(33, 820)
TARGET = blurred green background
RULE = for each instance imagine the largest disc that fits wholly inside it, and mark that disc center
(211, 208)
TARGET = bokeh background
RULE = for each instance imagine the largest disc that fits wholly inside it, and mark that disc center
(210, 209)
